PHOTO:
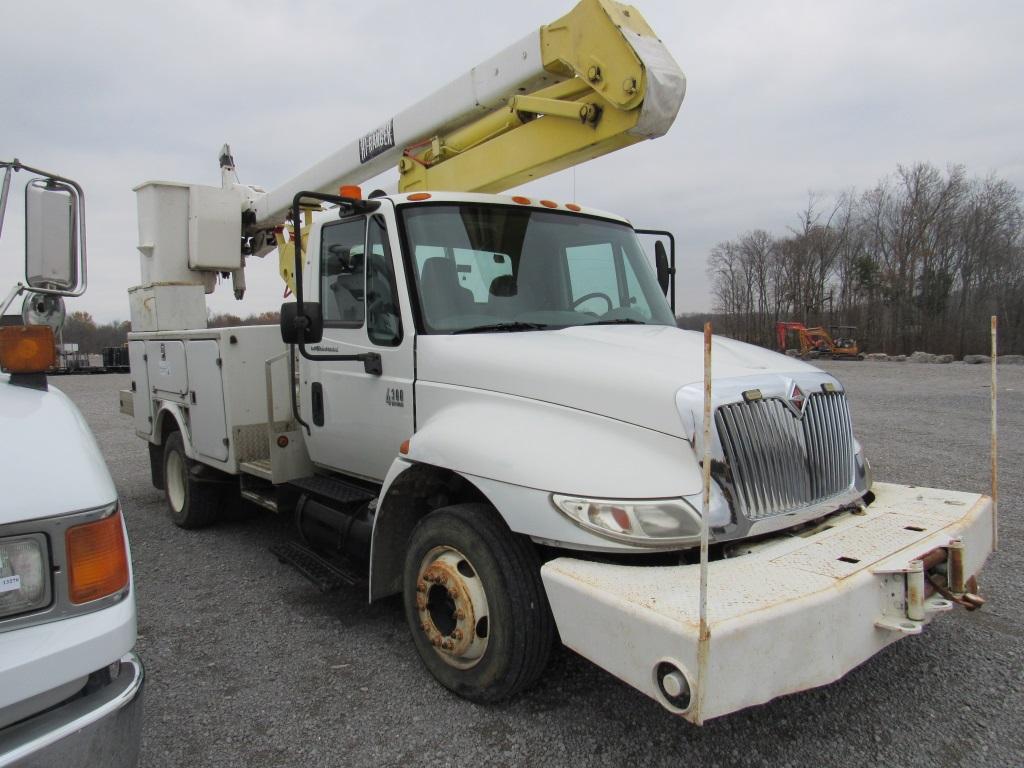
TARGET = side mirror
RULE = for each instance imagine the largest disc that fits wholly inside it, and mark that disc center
(661, 264)
(51, 241)
(307, 328)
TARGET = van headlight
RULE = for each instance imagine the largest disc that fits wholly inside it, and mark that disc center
(24, 585)
(656, 522)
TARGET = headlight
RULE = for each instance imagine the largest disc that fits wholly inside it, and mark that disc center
(645, 523)
(23, 571)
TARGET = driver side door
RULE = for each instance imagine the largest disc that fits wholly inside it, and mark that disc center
(358, 420)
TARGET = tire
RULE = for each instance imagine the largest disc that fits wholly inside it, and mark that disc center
(465, 558)
(190, 503)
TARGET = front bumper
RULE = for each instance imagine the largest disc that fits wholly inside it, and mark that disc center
(794, 613)
(103, 728)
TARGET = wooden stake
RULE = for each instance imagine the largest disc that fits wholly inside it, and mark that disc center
(705, 634)
(994, 469)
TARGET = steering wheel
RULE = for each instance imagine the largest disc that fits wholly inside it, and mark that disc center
(380, 307)
(594, 295)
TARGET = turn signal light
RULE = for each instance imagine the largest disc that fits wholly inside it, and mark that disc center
(97, 559)
(27, 348)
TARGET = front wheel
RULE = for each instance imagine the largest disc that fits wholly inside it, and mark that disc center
(475, 603)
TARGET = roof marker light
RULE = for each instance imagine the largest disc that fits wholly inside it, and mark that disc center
(352, 191)
(521, 200)
(549, 203)
(573, 207)
(417, 196)
(27, 348)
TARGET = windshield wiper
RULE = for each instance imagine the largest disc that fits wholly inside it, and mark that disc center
(507, 327)
(617, 321)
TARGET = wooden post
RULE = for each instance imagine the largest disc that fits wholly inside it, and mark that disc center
(705, 634)
(994, 468)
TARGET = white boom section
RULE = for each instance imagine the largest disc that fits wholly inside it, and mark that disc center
(479, 91)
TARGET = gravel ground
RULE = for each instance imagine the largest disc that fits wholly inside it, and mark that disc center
(249, 665)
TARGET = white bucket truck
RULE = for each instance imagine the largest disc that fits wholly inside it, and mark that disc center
(483, 402)
(70, 684)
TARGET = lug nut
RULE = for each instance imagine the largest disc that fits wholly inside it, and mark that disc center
(457, 634)
(459, 614)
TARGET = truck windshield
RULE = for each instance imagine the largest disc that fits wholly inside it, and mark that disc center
(493, 268)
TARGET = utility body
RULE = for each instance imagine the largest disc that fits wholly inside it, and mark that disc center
(482, 402)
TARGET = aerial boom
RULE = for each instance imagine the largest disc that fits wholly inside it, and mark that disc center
(591, 82)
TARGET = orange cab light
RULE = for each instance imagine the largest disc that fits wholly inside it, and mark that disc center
(27, 348)
(521, 200)
(352, 191)
(97, 559)
(549, 204)
(417, 196)
(404, 447)
(573, 207)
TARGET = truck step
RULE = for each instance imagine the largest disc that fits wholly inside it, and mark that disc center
(267, 501)
(258, 467)
(332, 489)
(325, 574)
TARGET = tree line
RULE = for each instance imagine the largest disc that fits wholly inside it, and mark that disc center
(918, 262)
(92, 337)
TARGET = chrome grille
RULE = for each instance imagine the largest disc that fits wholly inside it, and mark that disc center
(780, 462)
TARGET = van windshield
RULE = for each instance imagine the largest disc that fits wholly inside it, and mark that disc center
(483, 268)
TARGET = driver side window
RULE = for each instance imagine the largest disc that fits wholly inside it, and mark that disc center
(342, 272)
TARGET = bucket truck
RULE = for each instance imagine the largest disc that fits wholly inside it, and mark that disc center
(482, 402)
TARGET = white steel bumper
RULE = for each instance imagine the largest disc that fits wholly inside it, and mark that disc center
(795, 613)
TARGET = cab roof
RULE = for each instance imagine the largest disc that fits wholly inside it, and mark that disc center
(517, 200)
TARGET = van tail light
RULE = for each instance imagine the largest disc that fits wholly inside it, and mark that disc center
(97, 559)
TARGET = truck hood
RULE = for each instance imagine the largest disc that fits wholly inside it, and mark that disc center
(50, 463)
(630, 373)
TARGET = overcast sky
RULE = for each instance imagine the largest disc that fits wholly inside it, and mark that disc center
(782, 98)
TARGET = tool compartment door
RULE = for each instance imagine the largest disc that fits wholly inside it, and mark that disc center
(142, 397)
(168, 375)
(206, 399)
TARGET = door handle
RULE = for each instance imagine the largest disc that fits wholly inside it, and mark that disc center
(317, 402)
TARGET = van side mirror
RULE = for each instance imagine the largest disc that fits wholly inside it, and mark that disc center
(661, 264)
(307, 328)
(51, 235)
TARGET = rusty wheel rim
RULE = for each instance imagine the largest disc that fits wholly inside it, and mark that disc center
(451, 604)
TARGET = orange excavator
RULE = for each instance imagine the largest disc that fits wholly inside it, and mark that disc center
(817, 342)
